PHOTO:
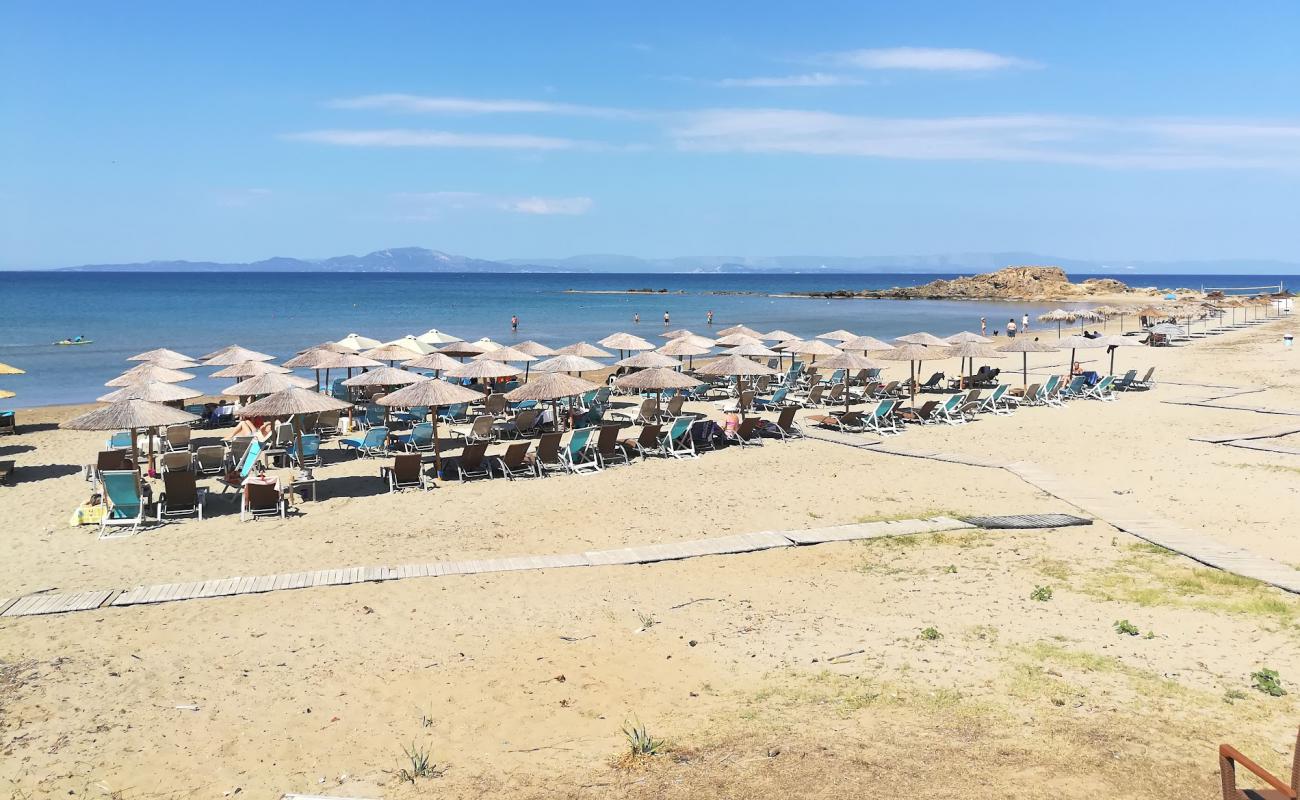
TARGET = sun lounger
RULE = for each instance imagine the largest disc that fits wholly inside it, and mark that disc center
(210, 459)
(310, 456)
(1031, 395)
(674, 408)
(843, 421)
(607, 447)
(482, 429)
(1126, 383)
(109, 461)
(177, 438)
(1148, 380)
(263, 500)
(6, 472)
(677, 442)
(8, 422)
(1230, 757)
(933, 384)
(1077, 387)
(547, 456)
(951, 411)
(327, 424)
(648, 412)
(784, 426)
(180, 496)
(995, 403)
(119, 441)
(1101, 390)
(406, 472)
(418, 439)
(746, 432)
(177, 461)
(369, 444)
(881, 419)
(514, 462)
(578, 456)
(235, 478)
(455, 413)
(125, 502)
(473, 462)
(646, 443)
(1051, 394)
(812, 398)
(923, 415)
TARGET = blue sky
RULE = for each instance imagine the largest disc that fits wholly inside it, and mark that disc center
(141, 131)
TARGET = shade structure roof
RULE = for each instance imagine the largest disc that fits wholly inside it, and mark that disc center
(435, 336)
(314, 358)
(922, 337)
(648, 360)
(5, 369)
(742, 330)
(1024, 344)
(814, 347)
(736, 339)
(625, 341)
(413, 344)
(153, 391)
(656, 379)
(233, 354)
(551, 386)
(1058, 315)
(356, 342)
(584, 349)
(248, 369)
(567, 363)
(333, 347)
(288, 402)
(966, 336)
(127, 414)
(383, 376)
(434, 361)
(168, 363)
(848, 361)
(735, 365)
(487, 344)
(5, 394)
(160, 353)
(147, 373)
(840, 335)
(975, 350)
(346, 361)
(682, 347)
(913, 352)
(266, 384)
(534, 349)
(483, 370)
(390, 352)
(463, 349)
(505, 354)
(790, 345)
(753, 350)
(673, 334)
(430, 393)
(778, 335)
(1080, 343)
(865, 343)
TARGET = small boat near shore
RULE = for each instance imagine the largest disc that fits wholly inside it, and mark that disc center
(68, 342)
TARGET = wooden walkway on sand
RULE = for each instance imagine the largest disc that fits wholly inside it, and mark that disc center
(39, 604)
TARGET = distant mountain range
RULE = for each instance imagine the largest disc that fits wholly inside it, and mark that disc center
(419, 259)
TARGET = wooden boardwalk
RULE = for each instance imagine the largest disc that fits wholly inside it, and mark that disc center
(50, 603)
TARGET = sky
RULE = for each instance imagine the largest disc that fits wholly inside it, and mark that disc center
(239, 131)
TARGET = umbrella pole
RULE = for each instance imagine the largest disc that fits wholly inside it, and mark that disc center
(437, 451)
(135, 454)
(1024, 367)
(149, 433)
(912, 367)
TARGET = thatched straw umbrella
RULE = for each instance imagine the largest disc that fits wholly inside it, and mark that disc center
(552, 387)
(148, 373)
(431, 393)
(754, 351)
(483, 370)
(846, 362)
(736, 340)
(356, 342)
(742, 330)
(568, 363)
(391, 352)
(962, 338)
(261, 385)
(584, 350)
(384, 376)
(250, 369)
(435, 337)
(414, 345)
(676, 334)
(509, 355)
(922, 338)
(534, 349)
(313, 359)
(434, 361)
(5, 369)
(1059, 316)
(234, 354)
(816, 347)
(684, 347)
(131, 415)
(153, 391)
(293, 403)
(1024, 345)
(487, 344)
(333, 347)
(623, 342)
(5, 394)
(915, 354)
(1114, 342)
(161, 353)
(648, 360)
(735, 366)
(168, 363)
(974, 350)
(839, 335)
(778, 335)
(656, 379)
(1079, 343)
(463, 349)
(348, 361)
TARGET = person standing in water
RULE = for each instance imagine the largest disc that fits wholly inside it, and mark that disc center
(665, 317)
(1011, 328)
(1024, 324)
(709, 317)
(636, 318)
(984, 326)
(514, 323)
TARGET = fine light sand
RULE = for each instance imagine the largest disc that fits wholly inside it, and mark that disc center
(520, 684)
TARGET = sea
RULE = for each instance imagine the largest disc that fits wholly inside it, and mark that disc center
(283, 313)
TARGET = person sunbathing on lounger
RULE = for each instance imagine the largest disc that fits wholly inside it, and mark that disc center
(256, 427)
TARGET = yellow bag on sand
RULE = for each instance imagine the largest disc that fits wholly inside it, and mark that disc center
(88, 515)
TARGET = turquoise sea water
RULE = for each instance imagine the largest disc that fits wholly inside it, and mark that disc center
(281, 313)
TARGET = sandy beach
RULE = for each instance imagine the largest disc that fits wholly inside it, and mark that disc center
(520, 684)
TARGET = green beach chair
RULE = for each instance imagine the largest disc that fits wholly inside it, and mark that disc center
(125, 503)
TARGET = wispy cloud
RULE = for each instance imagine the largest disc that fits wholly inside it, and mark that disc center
(933, 59)
(1090, 141)
(406, 137)
(423, 104)
(427, 205)
(812, 79)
